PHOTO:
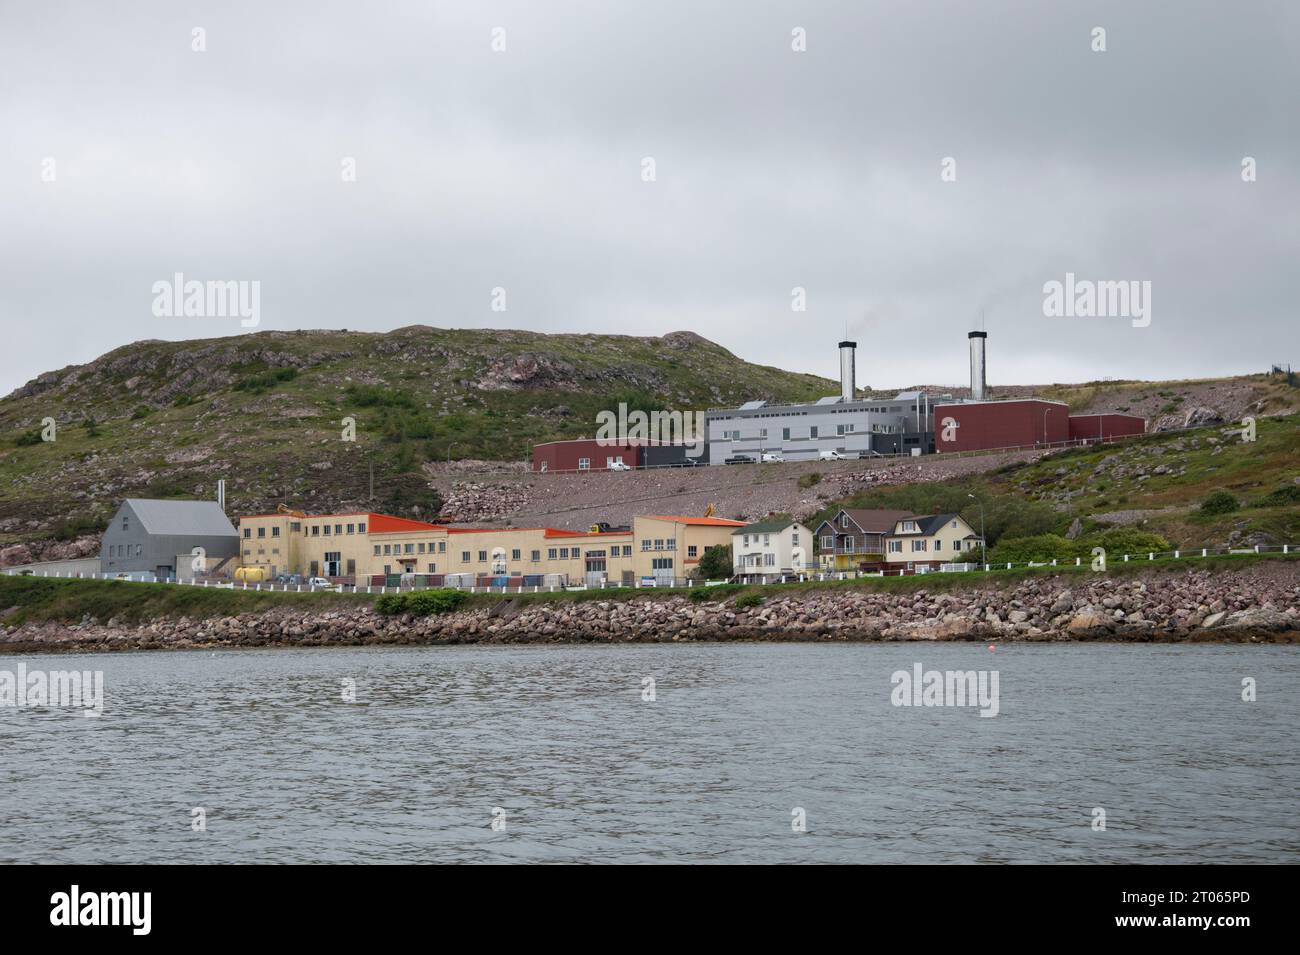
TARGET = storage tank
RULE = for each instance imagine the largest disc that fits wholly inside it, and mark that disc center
(250, 575)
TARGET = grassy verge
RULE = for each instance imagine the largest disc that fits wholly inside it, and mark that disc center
(34, 599)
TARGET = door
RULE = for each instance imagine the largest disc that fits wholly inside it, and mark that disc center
(663, 571)
(595, 571)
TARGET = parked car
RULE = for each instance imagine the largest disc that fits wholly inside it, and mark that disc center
(319, 582)
(869, 454)
(771, 457)
(830, 456)
(619, 466)
(739, 459)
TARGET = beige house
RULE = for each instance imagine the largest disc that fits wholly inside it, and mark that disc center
(925, 542)
(363, 544)
(670, 548)
(770, 550)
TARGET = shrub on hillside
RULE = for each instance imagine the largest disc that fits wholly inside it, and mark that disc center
(1220, 502)
(720, 592)
(750, 599)
(810, 479)
(1282, 497)
(1125, 540)
(1039, 547)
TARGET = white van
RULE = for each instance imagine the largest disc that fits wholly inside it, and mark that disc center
(830, 456)
(771, 457)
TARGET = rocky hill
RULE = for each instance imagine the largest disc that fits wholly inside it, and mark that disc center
(265, 411)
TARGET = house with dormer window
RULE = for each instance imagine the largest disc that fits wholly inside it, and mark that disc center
(922, 543)
(853, 539)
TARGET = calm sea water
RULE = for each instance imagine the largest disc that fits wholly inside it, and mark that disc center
(710, 771)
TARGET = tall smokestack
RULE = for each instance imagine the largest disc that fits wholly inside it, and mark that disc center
(221, 493)
(978, 383)
(848, 371)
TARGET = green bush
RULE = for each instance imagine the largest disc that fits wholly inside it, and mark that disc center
(750, 599)
(715, 563)
(1048, 547)
(432, 602)
(1220, 502)
(1282, 497)
(28, 438)
(720, 592)
(811, 479)
(423, 603)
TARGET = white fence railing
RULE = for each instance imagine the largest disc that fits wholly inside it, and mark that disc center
(1196, 553)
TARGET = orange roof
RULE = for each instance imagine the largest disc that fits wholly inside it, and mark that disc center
(702, 521)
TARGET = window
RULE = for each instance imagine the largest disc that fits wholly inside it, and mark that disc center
(550, 553)
(564, 553)
(627, 550)
(275, 531)
(352, 528)
(261, 532)
(327, 530)
(361, 528)
(767, 540)
(514, 554)
(895, 547)
(338, 528)
(954, 525)
(464, 557)
(794, 538)
(421, 548)
(670, 543)
(124, 522)
(584, 464)
(295, 527)
(769, 560)
(408, 549)
(576, 553)
(762, 432)
(662, 563)
(659, 543)
(248, 532)
(918, 545)
(315, 530)
(844, 520)
(692, 550)
(376, 550)
(828, 542)
(909, 527)
(536, 556)
(645, 543)
(433, 568)
(785, 434)
(442, 547)
(482, 556)
(388, 549)
(812, 432)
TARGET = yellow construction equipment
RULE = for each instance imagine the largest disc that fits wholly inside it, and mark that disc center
(708, 511)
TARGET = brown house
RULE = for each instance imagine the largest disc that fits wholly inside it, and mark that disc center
(854, 538)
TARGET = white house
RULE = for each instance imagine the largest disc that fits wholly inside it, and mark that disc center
(926, 542)
(770, 549)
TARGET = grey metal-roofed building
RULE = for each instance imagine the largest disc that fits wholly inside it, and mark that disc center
(801, 432)
(147, 535)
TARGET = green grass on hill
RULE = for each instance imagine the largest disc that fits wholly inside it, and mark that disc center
(36, 599)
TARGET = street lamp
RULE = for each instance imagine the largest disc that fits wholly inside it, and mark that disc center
(984, 544)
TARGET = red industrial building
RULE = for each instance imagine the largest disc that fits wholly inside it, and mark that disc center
(1023, 422)
(587, 454)
(980, 425)
(1102, 427)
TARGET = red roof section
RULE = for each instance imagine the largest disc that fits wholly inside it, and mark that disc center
(703, 521)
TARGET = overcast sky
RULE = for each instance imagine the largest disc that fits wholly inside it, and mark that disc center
(774, 169)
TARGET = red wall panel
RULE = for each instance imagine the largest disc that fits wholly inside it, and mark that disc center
(565, 455)
(979, 426)
(1094, 426)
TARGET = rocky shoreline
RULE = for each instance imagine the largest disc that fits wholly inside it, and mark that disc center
(1260, 604)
